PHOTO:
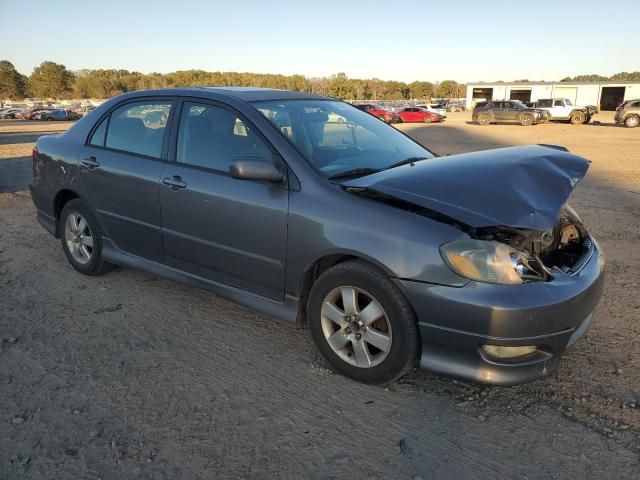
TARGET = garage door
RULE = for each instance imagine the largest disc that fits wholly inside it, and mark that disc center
(566, 92)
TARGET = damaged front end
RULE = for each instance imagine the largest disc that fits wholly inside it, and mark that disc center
(535, 255)
(511, 202)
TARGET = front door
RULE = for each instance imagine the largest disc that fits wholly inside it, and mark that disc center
(120, 171)
(227, 230)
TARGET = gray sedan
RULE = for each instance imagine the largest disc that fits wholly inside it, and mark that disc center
(471, 265)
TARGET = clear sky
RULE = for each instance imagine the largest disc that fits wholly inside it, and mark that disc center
(392, 40)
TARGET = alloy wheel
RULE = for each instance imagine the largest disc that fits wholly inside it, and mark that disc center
(79, 238)
(356, 327)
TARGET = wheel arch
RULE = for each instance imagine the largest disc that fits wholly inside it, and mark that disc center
(63, 197)
(318, 267)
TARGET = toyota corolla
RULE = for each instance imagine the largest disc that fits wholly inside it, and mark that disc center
(472, 265)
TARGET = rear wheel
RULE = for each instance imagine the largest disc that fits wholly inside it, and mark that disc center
(632, 121)
(484, 119)
(526, 120)
(362, 324)
(577, 118)
(81, 238)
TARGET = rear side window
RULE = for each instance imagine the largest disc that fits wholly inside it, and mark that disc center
(635, 105)
(545, 103)
(139, 128)
(99, 134)
(558, 103)
(213, 137)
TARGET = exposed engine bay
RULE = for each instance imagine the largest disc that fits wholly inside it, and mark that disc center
(564, 248)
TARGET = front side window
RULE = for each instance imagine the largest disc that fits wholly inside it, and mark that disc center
(213, 137)
(139, 128)
(359, 142)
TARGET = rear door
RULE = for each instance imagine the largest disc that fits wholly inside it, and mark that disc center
(227, 230)
(120, 167)
(510, 112)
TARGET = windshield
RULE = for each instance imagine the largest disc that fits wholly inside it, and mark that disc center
(335, 138)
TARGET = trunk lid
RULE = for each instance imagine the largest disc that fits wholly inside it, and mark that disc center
(518, 187)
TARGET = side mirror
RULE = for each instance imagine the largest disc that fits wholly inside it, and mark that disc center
(255, 168)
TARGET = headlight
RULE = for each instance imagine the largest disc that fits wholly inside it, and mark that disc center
(488, 261)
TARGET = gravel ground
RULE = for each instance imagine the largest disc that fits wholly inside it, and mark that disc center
(129, 376)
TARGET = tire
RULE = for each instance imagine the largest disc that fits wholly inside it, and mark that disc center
(484, 119)
(632, 121)
(526, 120)
(87, 261)
(395, 324)
(577, 118)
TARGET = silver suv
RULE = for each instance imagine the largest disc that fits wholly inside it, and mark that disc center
(628, 113)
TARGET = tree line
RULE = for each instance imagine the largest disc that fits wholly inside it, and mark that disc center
(53, 80)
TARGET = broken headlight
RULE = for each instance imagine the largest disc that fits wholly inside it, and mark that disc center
(491, 262)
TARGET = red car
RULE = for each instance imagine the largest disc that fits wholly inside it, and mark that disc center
(34, 113)
(379, 112)
(418, 114)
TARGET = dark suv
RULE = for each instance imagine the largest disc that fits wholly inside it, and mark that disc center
(392, 257)
(498, 111)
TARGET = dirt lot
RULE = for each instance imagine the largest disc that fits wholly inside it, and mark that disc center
(128, 376)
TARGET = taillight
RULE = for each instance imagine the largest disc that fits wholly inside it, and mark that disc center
(34, 153)
(620, 107)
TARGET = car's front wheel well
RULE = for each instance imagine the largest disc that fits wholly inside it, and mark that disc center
(320, 266)
(61, 199)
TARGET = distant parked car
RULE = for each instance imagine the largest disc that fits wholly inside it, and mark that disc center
(380, 112)
(60, 115)
(34, 113)
(564, 109)
(10, 112)
(506, 111)
(419, 114)
(435, 108)
(628, 113)
(455, 107)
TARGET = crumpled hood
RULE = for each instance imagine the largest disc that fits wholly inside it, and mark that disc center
(519, 187)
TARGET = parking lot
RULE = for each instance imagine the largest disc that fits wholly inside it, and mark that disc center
(125, 375)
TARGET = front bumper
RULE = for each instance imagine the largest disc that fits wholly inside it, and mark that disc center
(455, 323)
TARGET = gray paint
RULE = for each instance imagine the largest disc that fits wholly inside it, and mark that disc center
(254, 241)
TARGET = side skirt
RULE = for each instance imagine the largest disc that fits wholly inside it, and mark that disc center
(286, 311)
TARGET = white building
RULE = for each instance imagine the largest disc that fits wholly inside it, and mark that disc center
(606, 95)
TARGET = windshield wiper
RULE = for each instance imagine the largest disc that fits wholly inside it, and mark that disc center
(406, 161)
(354, 172)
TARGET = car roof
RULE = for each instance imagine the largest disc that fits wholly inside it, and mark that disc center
(247, 94)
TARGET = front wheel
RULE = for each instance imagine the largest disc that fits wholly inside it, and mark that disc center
(577, 118)
(81, 238)
(362, 324)
(526, 120)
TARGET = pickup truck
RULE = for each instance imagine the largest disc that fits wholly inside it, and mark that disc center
(564, 109)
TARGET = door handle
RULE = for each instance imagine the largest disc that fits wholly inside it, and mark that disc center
(91, 163)
(174, 182)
